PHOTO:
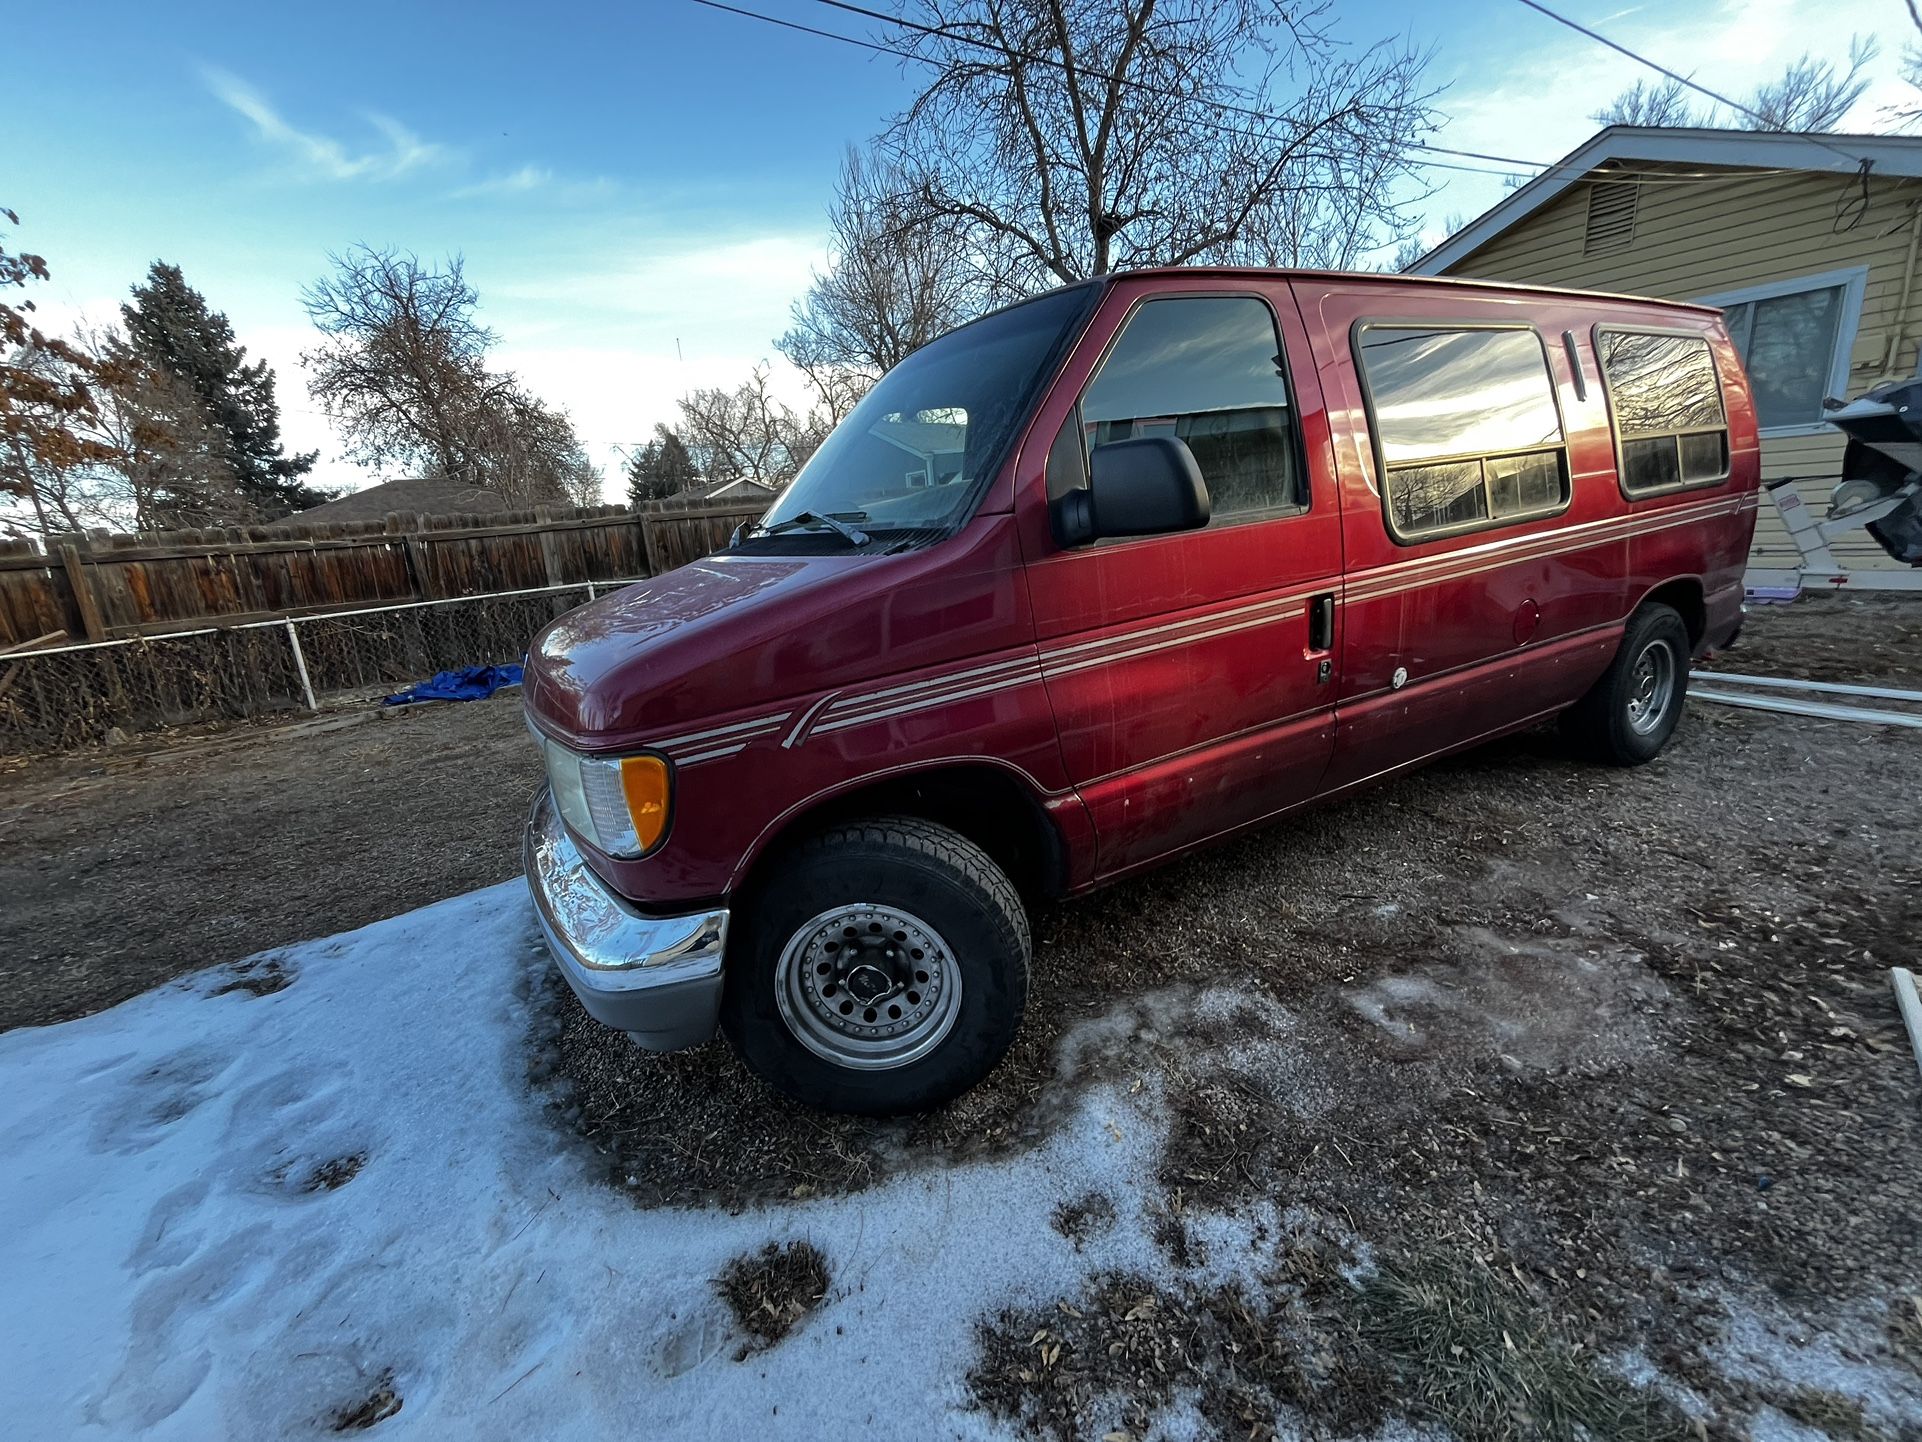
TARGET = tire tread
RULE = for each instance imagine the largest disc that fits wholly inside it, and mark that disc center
(942, 856)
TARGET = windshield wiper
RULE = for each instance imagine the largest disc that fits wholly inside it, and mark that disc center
(803, 520)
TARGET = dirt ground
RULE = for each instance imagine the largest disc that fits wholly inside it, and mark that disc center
(121, 869)
(1574, 1058)
(1587, 1060)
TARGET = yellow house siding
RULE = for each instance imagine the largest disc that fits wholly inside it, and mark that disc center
(1705, 236)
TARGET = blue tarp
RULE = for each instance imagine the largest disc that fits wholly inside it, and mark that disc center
(469, 683)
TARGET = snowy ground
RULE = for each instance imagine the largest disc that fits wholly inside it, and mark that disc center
(317, 1187)
(176, 1265)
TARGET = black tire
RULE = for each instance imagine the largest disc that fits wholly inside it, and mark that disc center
(1622, 720)
(902, 867)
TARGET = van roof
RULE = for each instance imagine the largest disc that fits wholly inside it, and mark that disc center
(1398, 279)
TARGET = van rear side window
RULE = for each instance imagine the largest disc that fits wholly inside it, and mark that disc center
(1670, 428)
(1467, 431)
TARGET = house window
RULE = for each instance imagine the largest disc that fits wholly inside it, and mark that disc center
(1466, 427)
(1667, 406)
(1206, 370)
(1794, 338)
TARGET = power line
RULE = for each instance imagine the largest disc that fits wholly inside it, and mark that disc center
(1660, 69)
(804, 29)
(1108, 77)
(1520, 166)
(1008, 52)
(1253, 112)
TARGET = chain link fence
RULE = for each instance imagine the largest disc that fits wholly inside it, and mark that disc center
(66, 697)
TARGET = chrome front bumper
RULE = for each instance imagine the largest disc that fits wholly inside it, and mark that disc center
(657, 978)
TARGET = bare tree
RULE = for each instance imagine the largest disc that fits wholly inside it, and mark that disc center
(747, 433)
(1811, 95)
(1406, 254)
(1905, 113)
(1808, 95)
(402, 369)
(147, 458)
(1646, 103)
(524, 450)
(1075, 137)
(172, 464)
(46, 396)
(894, 283)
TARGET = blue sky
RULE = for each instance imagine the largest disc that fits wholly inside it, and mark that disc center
(638, 189)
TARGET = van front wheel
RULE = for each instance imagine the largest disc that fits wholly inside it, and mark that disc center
(1627, 716)
(882, 969)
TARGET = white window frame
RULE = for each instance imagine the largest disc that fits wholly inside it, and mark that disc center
(1854, 283)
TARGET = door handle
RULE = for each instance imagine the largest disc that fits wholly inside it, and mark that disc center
(1321, 622)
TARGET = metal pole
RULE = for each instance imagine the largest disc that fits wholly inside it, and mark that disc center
(300, 665)
(590, 588)
(1911, 1005)
(1819, 709)
(1786, 683)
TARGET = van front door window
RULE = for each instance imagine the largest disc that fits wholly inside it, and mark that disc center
(1206, 370)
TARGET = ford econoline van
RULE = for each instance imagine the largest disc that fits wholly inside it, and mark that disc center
(1102, 577)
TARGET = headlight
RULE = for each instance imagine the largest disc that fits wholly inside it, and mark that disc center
(620, 803)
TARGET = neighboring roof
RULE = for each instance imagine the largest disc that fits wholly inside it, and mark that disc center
(922, 438)
(741, 485)
(423, 495)
(1687, 145)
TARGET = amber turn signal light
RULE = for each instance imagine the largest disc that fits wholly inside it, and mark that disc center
(644, 782)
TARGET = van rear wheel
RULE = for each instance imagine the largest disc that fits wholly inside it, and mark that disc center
(1627, 717)
(882, 969)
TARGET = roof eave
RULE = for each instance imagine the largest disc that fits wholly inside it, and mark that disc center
(1887, 154)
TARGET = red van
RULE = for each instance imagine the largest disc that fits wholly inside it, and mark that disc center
(1099, 578)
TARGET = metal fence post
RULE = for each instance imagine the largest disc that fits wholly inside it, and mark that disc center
(590, 589)
(300, 665)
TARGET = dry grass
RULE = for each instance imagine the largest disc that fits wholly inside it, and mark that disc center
(1426, 1339)
(773, 1291)
(380, 1403)
(1479, 1357)
(1830, 1413)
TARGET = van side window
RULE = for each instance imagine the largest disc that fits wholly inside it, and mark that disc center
(1667, 406)
(1206, 370)
(1467, 432)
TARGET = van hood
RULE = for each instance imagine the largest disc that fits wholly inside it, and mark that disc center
(733, 631)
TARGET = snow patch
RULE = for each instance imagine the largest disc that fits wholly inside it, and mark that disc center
(230, 1213)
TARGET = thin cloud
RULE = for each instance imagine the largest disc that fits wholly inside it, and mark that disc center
(322, 155)
(532, 179)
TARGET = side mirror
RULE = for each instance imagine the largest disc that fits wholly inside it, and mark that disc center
(1148, 486)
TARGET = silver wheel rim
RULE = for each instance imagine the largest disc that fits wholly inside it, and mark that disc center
(868, 986)
(1651, 688)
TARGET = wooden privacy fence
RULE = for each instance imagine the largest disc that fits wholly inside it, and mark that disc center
(97, 587)
(59, 697)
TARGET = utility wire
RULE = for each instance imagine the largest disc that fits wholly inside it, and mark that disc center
(1253, 112)
(1660, 69)
(1051, 63)
(1520, 166)
(1107, 77)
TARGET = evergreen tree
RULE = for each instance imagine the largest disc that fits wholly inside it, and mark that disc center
(660, 469)
(169, 326)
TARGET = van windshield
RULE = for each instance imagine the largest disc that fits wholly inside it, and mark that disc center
(915, 454)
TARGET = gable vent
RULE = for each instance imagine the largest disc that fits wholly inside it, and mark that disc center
(1611, 216)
